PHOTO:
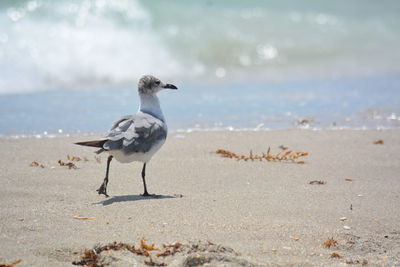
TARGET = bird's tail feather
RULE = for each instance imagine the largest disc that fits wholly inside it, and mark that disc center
(95, 143)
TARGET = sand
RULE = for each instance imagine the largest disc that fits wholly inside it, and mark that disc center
(267, 212)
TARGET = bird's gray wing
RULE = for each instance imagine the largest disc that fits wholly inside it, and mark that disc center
(135, 133)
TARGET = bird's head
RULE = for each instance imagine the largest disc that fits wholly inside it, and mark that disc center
(149, 84)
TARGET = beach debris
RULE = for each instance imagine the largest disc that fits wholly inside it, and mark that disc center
(379, 142)
(152, 263)
(73, 158)
(346, 227)
(336, 255)
(295, 238)
(146, 246)
(343, 219)
(91, 257)
(76, 158)
(304, 122)
(283, 147)
(84, 218)
(348, 179)
(70, 165)
(351, 206)
(362, 262)
(170, 249)
(330, 242)
(283, 156)
(149, 254)
(317, 182)
(36, 164)
(13, 264)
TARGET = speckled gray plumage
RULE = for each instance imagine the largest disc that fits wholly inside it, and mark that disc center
(135, 133)
(148, 84)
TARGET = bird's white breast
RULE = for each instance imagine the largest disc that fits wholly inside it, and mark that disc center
(144, 157)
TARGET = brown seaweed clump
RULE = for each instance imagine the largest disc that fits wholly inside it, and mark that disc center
(13, 264)
(70, 165)
(284, 156)
(151, 255)
(330, 242)
(317, 182)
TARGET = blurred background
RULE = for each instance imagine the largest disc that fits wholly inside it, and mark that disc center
(72, 66)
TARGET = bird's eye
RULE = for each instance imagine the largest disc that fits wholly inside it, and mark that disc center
(157, 82)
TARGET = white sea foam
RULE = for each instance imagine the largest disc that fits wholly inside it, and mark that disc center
(50, 44)
(69, 45)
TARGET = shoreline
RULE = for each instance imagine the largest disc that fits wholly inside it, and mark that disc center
(198, 130)
(268, 212)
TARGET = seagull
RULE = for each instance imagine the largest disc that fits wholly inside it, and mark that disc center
(136, 137)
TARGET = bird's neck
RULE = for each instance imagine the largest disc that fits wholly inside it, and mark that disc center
(151, 105)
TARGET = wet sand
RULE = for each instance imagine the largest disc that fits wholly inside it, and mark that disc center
(267, 212)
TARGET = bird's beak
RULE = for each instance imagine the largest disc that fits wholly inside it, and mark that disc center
(170, 86)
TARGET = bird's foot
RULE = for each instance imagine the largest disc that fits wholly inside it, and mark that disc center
(102, 190)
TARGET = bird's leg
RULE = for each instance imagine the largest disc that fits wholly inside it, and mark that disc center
(145, 194)
(103, 187)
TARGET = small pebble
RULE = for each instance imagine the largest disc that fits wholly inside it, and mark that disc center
(346, 227)
(343, 219)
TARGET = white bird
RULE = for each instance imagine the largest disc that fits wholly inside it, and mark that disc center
(136, 137)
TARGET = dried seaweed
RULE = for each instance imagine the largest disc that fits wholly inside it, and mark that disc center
(283, 147)
(146, 246)
(73, 158)
(70, 165)
(170, 249)
(91, 257)
(84, 218)
(330, 242)
(363, 262)
(336, 255)
(317, 182)
(13, 264)
(152, 263)
(283, 156)
(36, 164)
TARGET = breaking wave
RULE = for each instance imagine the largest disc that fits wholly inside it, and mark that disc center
(47, 44)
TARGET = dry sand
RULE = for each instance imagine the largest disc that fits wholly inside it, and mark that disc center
(267, 212)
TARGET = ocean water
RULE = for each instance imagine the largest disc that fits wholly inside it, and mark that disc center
(73, 66)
